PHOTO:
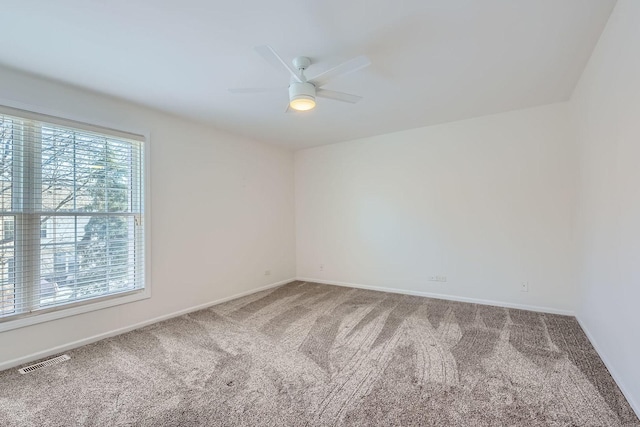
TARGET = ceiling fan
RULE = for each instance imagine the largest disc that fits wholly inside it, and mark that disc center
(302, 91)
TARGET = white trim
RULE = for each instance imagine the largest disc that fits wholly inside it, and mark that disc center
(83, 307)
(58, 121)
(619, 379)
(79, 343)
(65, 114)
(442, 296)
(146, 214)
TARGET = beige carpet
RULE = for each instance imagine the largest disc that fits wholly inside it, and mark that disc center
(316, 355)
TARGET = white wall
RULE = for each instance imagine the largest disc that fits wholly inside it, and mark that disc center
(487, 202)
(606, 113)
(222, 213)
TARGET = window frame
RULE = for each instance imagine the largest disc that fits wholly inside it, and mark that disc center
(100, 302)
(8, 229)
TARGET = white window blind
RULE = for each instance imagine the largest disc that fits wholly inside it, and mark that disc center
(71, 210)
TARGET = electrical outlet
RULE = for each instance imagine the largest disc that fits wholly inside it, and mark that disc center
(524, 287)
(267, 272)
(441, 278)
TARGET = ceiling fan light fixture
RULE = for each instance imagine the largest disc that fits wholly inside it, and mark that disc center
(303, 103)
(302, 96)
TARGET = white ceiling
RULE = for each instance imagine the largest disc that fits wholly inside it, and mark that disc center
(433, 61)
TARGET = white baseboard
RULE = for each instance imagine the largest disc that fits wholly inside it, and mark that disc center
(619, 379)
(79, 343)
(442, 296)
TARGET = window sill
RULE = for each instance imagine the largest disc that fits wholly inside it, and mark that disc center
(74, 309)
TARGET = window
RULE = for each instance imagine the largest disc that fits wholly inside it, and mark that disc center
(7, 229)
(71, 210)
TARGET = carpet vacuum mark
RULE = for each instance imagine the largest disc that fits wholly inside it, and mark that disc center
(306, 354)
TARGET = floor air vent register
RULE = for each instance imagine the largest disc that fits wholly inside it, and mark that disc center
(44, 364)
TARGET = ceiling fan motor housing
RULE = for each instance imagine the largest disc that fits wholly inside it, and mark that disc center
(299, 90)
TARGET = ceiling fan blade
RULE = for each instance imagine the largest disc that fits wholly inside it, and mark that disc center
(274, 59)
(338, 96)
(350, 66)
(257, 89)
